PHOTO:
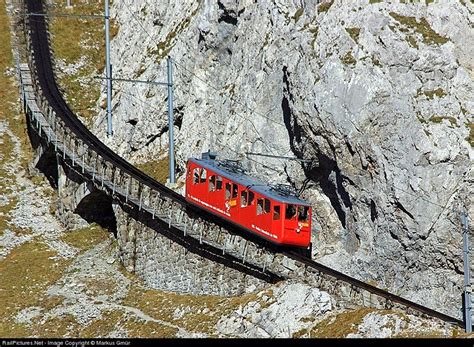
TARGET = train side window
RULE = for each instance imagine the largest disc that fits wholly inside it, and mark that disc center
(219, 183)
(227, 191)
(202, 179)
(276, 212)
(243, 198)
(212, 183)
(266, 206)
(235, 191)
(259, 207)
(251, 198)
(303, 213)
(196, 175)
(290, 212)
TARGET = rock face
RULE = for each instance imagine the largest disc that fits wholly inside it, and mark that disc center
(378, 96)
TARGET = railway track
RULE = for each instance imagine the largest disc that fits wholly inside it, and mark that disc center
(46, 80)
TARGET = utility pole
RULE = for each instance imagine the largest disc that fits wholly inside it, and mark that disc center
(467, 274)
(108, 69)
(68, 4)
(170, 121)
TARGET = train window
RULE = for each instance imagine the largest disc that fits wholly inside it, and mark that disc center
(227, 191)
(276, 212)
(202, 179)
(259, 207)
(235, 191)
(303, 213)
(290, 211)
(243, 198)
(196, 175)
(212, 183)
(251, 197)
(267, 206)
(219, 183)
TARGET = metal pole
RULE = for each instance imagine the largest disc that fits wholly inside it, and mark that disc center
(467, 275)
(68, 3)
(108, 70)
(170, 120)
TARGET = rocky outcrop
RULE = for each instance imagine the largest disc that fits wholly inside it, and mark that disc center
(378, 96)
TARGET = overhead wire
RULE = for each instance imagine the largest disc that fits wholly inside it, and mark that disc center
(183, 67)
(179, 65)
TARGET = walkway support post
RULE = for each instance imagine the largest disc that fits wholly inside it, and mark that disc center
(108, 69)
(467, 274)
(170, 121)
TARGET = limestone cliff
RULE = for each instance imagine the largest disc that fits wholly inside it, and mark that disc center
(377, 95)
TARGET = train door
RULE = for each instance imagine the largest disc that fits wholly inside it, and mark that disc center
(277, 218)
(231, 194)
(215, 191)
(290, 222)
(198, 183)
(263, 215)
(247, 208)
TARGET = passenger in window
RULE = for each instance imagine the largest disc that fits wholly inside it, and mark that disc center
(219, 183)
(227, 191)
(196, 176)
(259, 206)
(212, 183)
(302, 213)
(243, 199)
(276, 212)
(203, 176)
(290, 211)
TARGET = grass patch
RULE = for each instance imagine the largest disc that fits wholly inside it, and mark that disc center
(325, 6)
(411, 41)
(354, 33)
(470, 137)
(298, 14)
(430, 37)
(158, 169)
(26, 273)
(348, 59)
(376, 61)
(340, 325)
(86, 238)
(439, 119)
(430, 94)
(80, 89)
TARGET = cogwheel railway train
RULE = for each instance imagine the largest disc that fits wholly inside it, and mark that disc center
(270, 212)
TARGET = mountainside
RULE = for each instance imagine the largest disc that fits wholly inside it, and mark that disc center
(377, 96)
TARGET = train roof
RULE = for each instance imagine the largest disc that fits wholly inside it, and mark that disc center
(234, 173)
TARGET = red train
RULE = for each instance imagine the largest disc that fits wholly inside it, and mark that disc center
(222, 188)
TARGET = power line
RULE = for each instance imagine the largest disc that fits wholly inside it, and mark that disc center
(212, 87)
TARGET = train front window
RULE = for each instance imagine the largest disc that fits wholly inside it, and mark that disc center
(212, 183)
(219, 183)
(196, 175)
(227, 191)
(243, 198)
(202, 179)
(290, 212)
(303, 213)
(276, 212)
